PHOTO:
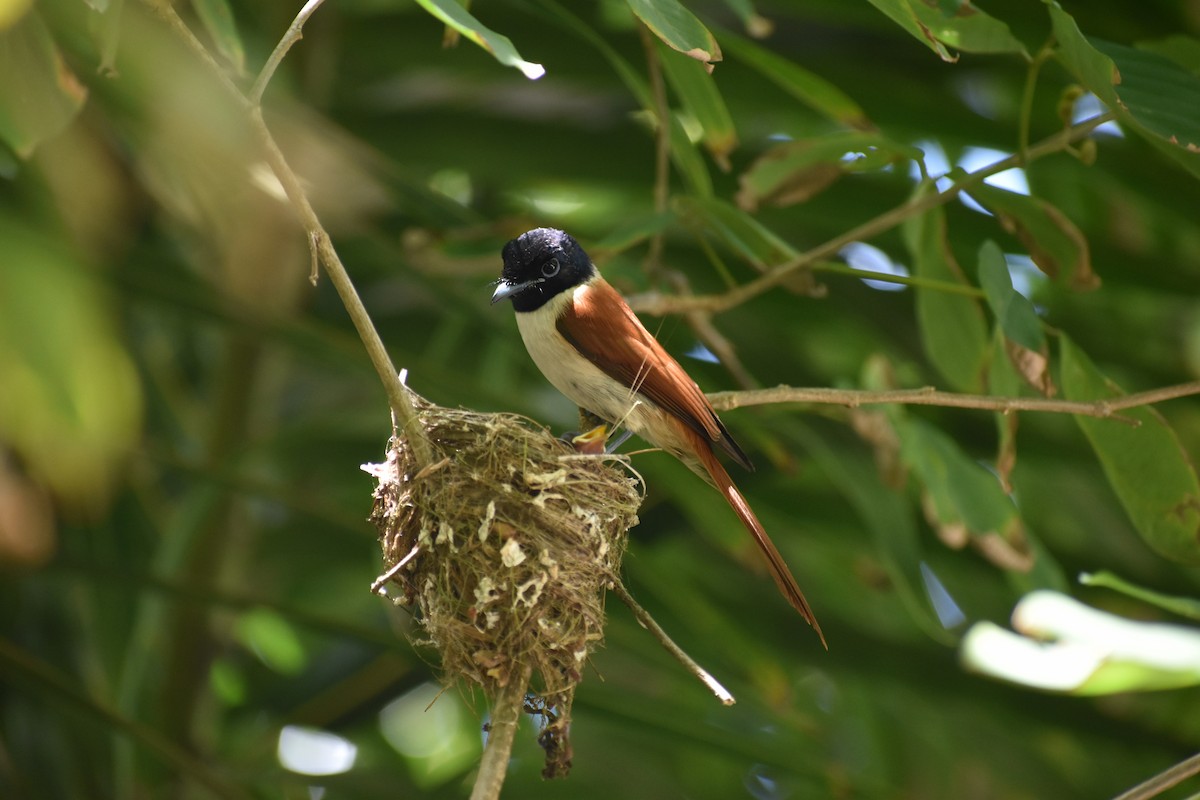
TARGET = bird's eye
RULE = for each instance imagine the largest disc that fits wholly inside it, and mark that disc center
(550, 268)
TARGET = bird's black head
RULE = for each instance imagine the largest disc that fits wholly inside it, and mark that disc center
(538, 265)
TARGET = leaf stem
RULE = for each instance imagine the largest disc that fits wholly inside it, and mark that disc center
(1026, 114)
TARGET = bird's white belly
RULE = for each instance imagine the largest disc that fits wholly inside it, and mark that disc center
(582, 382)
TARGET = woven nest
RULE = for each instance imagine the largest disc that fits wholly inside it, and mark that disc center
(505, 544)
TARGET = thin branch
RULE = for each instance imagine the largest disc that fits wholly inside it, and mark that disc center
(917, 281)
(319, 239)
(293, 35)
(506, 713)
(398, 396)
(662, 144)
(929, 396)
(659, 304)
(1173, 776)
(702, 325)
(647, 621)
(1031, 76)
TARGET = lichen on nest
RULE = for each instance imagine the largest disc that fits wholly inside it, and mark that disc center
(505, 544)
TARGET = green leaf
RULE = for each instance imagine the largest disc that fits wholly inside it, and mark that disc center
(1183, 50)
(738, 230)
(217, 18)
(966, 502)
(1014, 313)
(795, 171)
(684, 155)
(458, 18)
(1022, 345)
(678, 28)
(810, 89)
(1151, 94)
(273, 639)
(39, 95)
(698, 93)
(1146, 465)
(69, 385)
(1183, 606)
(952, 326)
(952, 23)
(1054, 243)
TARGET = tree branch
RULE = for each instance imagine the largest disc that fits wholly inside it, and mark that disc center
(293, 35)
(648, 622)
(659, 304)
(1164, 780)
(506, 714)
(929, 396)
(319, 239)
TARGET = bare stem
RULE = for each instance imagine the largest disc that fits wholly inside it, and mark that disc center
(662, 143)
(506, 713)
(319, 239)
(929, 396)
(1164, 780)
(293, 35)
(659, 304)
(647, 621)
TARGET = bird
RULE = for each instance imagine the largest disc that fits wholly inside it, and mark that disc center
(589, 344)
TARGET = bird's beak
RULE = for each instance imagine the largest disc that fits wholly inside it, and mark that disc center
(506, 290)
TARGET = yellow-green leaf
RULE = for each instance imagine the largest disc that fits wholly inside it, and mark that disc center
(810, 89)
(697, 91)
(501, 47)
(39, 95)
(679, 28)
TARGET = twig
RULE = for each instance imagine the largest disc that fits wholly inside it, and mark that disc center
(319, 240)
(929, 396)
(702, 325)
(1164, 780)
(662, 144)
(647, 621)
(506, 713)
(293, 35)
(658, 304)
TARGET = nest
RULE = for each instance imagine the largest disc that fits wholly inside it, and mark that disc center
(505, 545)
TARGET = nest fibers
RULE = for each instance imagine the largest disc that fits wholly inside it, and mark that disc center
(506, 544)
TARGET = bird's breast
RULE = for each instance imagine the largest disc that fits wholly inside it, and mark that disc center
(584, 383)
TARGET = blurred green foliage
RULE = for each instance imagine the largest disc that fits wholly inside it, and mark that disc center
(183, 416)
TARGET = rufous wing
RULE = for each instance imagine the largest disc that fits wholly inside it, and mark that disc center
(601, 326)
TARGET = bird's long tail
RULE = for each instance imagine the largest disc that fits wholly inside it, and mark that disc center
(779, 569)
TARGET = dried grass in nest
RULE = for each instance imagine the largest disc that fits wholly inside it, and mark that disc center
(506, 544)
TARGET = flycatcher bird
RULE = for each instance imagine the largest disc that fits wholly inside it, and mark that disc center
(591, 346)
